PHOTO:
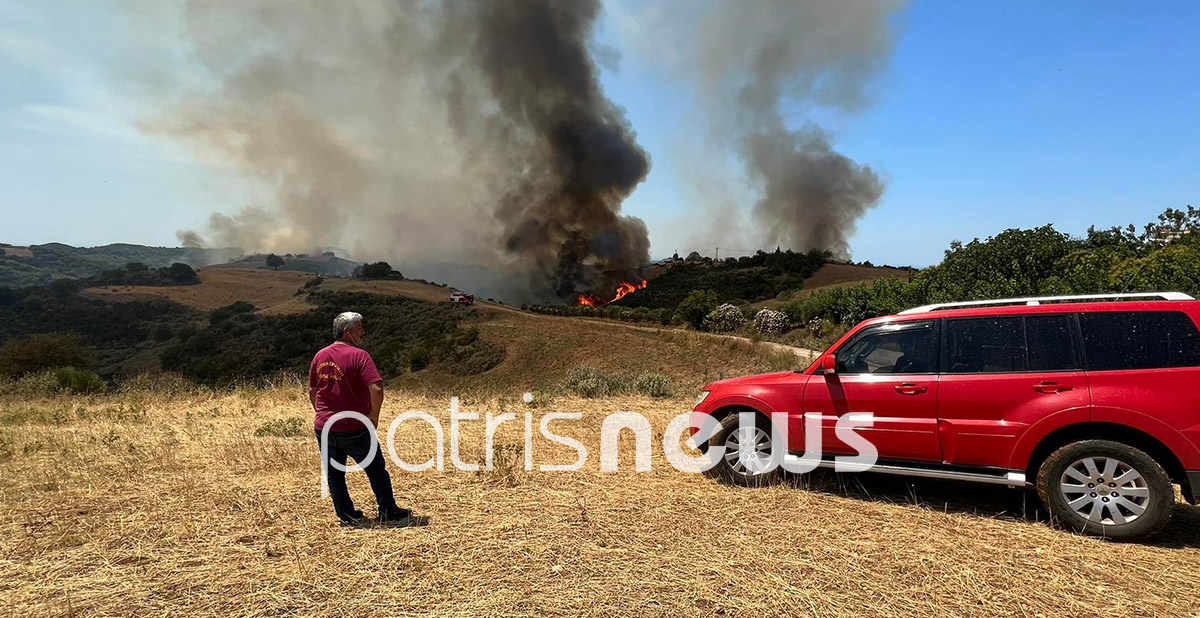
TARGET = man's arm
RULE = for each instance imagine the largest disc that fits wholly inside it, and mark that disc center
(370, 374)
(376, 389)
(312, 383)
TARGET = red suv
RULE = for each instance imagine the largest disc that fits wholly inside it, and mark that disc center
(1093, 400)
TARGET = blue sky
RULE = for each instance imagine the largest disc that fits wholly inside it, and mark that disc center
(989, 115)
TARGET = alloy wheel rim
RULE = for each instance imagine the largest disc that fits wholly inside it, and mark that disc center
(1104, 490)
(748, 451)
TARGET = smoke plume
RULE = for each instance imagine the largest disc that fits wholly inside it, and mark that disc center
(758, 67)
(470, 132)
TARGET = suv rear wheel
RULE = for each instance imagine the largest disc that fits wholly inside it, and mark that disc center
(746, 460)
(1106, 488)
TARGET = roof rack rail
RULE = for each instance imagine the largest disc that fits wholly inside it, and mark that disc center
(1037, 300)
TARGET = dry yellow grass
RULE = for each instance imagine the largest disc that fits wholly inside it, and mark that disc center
(16, 251)
(540, 350)
(841, 274)
(411, 289)
(218, 287)
(168, 505)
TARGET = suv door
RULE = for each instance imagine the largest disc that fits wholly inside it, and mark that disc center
(1144, 367)
(999, 376)
(889, 370)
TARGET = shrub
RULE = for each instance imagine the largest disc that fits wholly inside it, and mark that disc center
(182, 273)
(418, 358)
(228, 311)
(696, 306)
(162, 332)
(78, 381)
(654, 385)
(38, 352)
(34, 384)
(723, 319)
(282, 428)
(591, 383)
(816, 328)
(379, 270)
(770, 322)
(473, 357)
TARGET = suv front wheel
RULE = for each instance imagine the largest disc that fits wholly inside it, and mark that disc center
(1107, 489)
(746, 459)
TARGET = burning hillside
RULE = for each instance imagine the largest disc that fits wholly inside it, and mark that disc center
(591, 299)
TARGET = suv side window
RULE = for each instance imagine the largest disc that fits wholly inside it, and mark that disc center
(1139, 340)
(985, 345)
(1010, 344)
(907, 347)
(1051, 342)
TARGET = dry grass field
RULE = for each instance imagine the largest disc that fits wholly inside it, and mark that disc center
(541, 350)
(166, 503)
(218, 287)
(16, 251)
(844, 274)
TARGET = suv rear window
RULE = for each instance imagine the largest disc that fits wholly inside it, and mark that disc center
(1010, 344)
(1139, 340)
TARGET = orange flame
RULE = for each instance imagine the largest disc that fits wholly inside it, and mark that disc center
(623, 290)
(590, 300)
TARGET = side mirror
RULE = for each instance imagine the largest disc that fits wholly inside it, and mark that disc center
(829, 364)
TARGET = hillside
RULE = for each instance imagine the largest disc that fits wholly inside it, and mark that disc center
(832, 276)
(321, 264)
(485, 347)
(40, 264)
(746, 279)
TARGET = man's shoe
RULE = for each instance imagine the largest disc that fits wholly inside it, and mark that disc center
(353, 518)
(394, 514)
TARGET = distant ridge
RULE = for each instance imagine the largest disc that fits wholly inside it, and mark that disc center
(22, 266)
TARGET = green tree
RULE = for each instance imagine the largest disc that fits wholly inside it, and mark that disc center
(697, 305)
(379, 270)
(1175, 267)
(182, 273)
(274, 261)
(1012, 263)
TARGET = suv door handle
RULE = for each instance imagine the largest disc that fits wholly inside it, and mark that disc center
(1050, 386)
(908, 388)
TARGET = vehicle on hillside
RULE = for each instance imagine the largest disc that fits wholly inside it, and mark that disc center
(1094, 401)
(462, 298)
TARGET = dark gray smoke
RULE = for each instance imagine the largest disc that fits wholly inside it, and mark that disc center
(812, 196)
(758, 67)
(578, 156)
(467, 132)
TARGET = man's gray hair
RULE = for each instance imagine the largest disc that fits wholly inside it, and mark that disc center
(345, 320)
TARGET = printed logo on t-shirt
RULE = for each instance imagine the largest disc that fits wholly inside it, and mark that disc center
(331, 370)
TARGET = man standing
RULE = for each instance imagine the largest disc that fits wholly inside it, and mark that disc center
(343, 378)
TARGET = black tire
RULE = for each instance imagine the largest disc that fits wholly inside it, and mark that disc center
(1074, 498)
(728, 471)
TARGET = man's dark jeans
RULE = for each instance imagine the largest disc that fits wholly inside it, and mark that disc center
(356, 444)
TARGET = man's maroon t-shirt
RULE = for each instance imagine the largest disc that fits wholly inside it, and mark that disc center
(341, 374)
